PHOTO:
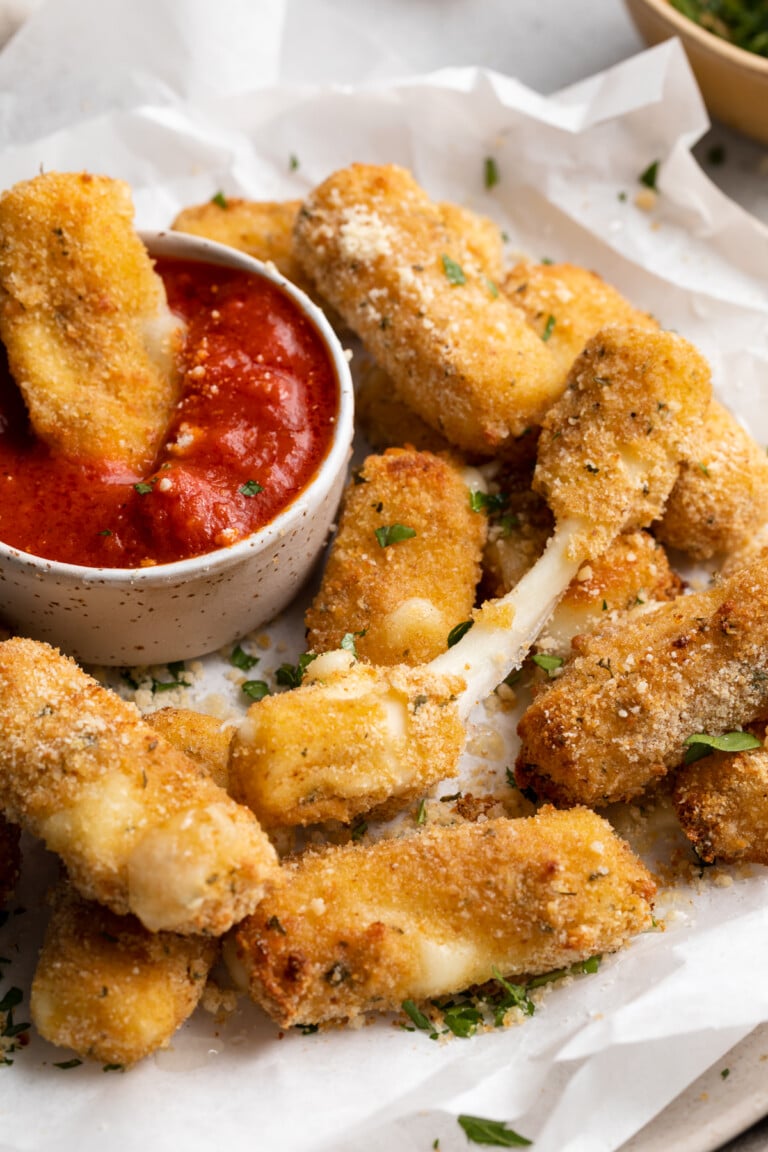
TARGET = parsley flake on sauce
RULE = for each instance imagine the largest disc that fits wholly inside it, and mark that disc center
(393, 534)
(251, 488)
(478, 1130)
(144, 487)
(453, 271)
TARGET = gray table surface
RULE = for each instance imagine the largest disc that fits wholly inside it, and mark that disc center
(546, 44)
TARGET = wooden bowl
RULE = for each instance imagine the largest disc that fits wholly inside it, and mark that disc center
(734, 82)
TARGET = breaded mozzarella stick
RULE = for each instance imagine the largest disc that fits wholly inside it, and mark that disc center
(618, 717)
(362, 928)
(108, 988)
(84, 318)
(205, 739)
(352, 737)
(722, 805)
(566, 305)
(405, 279)
(399, 597)
(139, 826)
(720, 499)
(635, 419)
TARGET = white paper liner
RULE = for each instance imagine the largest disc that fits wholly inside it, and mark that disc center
(195, 107)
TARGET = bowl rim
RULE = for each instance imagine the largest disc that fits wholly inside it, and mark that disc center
(182, 245)
(708, 41)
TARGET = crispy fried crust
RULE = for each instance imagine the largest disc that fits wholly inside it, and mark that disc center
(203, 738)
(632, 573)
(619, 715)
(402, 600)
(84, 318)
(109, 989)
(721, 495)
(460, 354)
(10, 859)
(262, 228)
(386, 421)
(140, 827)
(567, 305)
(652, 390)
(362, 928)
(722, 804)
(357, 738)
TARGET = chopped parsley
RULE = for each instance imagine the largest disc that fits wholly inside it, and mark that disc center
(458, 631)
(453, 271)
(421, 815)
(490, 502)
(548, 328)
(648, 177)
(348, 641)
(144, 487)
(219, 199)
(9, 1029)
(293, 162)
(741, 22)
(414, 1014)
(490, 172)
(242, 659)
(701, 744)
(548, 662)
(66, 1064)
(358, 829)
(291, 675)
(255, 689)
(478, 1130)
(250, 488)
(393, 534)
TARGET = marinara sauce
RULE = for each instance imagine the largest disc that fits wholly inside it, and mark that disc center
(255, 420)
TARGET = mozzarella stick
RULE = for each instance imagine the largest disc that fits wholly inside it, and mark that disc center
(618, 717)
(362, 928)
(351, 738)
(84, 318)
(386, 421)
(720, 499)
(261, 228)
(460, 354)
(139, 826)
(10, 859)
(108, 988)
(566, 305)
(722, 805)
(400, 597)
(205, 739)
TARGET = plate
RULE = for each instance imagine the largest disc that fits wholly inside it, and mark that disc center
(665, 1009)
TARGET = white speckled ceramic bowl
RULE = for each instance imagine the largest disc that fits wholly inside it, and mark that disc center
(190, 607)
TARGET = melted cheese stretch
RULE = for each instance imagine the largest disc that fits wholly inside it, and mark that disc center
(140, 827)
(360, 928)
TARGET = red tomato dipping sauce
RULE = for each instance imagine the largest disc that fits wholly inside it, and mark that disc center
(255, 421)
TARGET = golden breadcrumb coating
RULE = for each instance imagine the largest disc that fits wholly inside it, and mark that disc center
(631, 574)
(205, 739)
(400, 600)
(10, 859)
(568, 305)
(108, 988)
(386, 421)
(460, 354)
(611, 446)
(140, 827)
(722, 805)
(362, 928)
(84, 318)
(721, 495)
(351, 739)
(619, 715)
(481, 236)
(517, 532)
(261, 228)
